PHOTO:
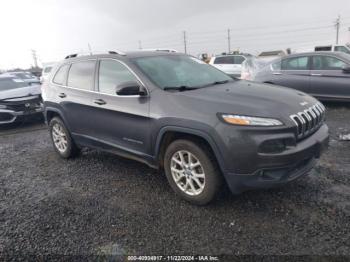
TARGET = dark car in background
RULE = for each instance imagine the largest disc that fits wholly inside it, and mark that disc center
(25, 76)
(185, 117)
(18, 99)
(325, 75)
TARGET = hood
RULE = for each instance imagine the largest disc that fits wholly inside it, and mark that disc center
(28, 91)
(251, 99)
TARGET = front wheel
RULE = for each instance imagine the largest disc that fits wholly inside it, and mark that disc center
(192, 171)
(61, 139)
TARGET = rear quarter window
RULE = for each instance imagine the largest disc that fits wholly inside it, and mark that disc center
(60, 76)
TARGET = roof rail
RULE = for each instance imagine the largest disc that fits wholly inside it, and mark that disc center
(71, 56)
(170, 50)
(117, 52)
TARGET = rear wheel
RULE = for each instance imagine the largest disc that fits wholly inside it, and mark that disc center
(61, 139)
(192, 171)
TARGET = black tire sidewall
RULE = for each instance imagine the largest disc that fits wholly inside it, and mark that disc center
(69, 151)
(212, 174)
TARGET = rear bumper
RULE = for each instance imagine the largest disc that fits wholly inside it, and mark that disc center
(9, 116)
(278, 169)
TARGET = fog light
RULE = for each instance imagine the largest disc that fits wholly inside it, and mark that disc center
(273, 146)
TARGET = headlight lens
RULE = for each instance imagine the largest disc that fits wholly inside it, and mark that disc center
(250, 121)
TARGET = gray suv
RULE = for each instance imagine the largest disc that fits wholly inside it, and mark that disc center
(181, 116)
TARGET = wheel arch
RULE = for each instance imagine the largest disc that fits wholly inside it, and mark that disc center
(51, 112)
(172, 133)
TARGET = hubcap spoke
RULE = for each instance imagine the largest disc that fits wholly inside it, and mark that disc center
(187, 172)
(59, 138)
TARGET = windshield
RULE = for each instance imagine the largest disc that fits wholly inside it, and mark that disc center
(23, 75)
(179, 71)
(11, 83)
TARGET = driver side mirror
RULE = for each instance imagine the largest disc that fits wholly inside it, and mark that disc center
(346, 69)
(131, 88)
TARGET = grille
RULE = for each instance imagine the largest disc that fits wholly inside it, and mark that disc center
(309, 120)
(24, 105)
(5, 117)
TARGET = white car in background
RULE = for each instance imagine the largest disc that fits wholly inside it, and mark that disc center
(229, 64)
(47, 68)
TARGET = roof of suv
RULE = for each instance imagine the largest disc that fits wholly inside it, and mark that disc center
(126, 55)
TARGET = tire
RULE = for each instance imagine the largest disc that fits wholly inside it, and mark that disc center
(192, 191)
(58, 131)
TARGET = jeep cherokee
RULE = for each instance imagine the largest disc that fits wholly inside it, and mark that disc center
(178, 114)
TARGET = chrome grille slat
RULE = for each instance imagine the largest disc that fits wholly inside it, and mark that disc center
(309, 120)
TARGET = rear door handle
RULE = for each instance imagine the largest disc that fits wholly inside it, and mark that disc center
(100, 102)
(316, 74)
(62, 95)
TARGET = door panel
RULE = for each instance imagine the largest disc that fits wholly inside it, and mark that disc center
(122, 121)
(75, 96)
(295, 73)
(298, 79)
(328, 78)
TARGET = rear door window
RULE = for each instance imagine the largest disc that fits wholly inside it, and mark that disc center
(327, 63)
(224, 60)
(81, 75)
(238, 60)
(60, 76)
(296, 63)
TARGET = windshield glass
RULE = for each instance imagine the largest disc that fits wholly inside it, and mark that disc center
(11, 83)
(179, 71)
(23, 75)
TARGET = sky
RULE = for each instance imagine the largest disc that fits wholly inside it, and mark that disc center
(56, 28)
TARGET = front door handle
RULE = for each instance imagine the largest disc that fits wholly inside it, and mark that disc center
(316, 74)
(62, 95)
(100, 102)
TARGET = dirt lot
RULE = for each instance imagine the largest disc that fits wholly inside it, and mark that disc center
(102, 204)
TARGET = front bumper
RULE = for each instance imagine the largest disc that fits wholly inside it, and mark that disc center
(277, 169)
(10, 116)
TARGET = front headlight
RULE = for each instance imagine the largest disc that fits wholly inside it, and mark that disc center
(2, 107)
(250, 120)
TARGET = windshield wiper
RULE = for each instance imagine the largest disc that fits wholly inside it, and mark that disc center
(179, 88)
(220, 82)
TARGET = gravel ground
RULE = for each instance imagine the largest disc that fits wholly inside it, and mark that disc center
(103, 204)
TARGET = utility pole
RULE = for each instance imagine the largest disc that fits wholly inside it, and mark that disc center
(35, 57)
(185, 42)
(90, 51)
(229, 40)
(140, 44)
(337, 26)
